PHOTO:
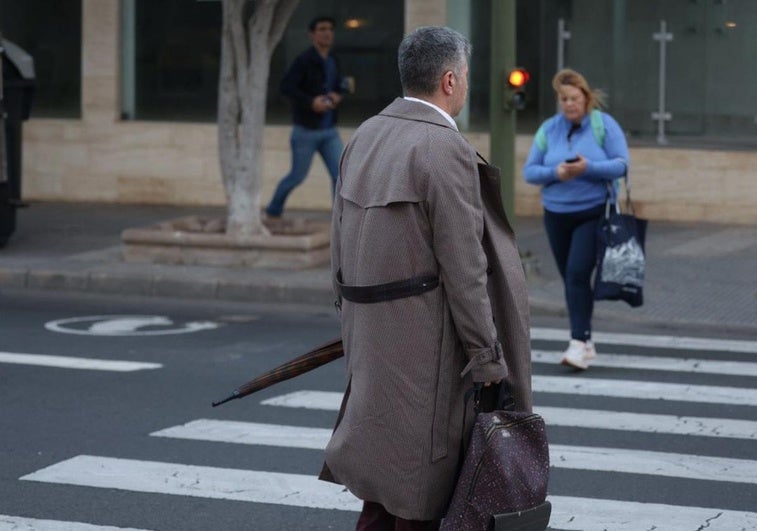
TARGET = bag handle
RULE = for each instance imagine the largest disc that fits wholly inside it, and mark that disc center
(610, 189)
(504, 400)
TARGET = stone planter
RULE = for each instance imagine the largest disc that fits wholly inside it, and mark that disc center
(296, 243)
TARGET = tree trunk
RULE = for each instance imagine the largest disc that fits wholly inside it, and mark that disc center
(251, 31)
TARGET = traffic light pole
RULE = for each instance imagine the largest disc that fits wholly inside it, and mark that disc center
(3, 155)
(501, 113)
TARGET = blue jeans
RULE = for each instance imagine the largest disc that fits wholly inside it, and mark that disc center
(572, 238)
(305, 142)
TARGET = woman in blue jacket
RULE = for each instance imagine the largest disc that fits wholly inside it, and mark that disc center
(575, 154)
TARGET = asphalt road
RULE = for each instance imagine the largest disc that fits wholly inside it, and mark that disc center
(81, 442)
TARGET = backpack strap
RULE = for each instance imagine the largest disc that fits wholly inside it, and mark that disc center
(597, 127)
(540, 139)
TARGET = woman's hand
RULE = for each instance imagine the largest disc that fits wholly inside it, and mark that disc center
(570, 170)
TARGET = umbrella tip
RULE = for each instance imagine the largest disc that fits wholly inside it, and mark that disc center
(234, 395)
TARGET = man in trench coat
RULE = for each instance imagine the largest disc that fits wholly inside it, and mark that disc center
(432, 293)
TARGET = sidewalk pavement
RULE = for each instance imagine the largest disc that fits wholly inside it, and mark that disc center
(699, 276)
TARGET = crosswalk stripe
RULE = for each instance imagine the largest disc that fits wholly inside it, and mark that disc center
(568, 513)
(575, 418)
(571, 385)
(657, 363)
(646, 340)
(709, 394)
(249, 433)
(65, 362)
(321, 400)
(199, 481)
(16, 523)
(649, 423)
(589, 514)
(653, 463)
(561, 456)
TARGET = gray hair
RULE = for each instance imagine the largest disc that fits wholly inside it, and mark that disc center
(426, 53)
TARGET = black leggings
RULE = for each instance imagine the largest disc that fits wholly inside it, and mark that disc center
(572, 237)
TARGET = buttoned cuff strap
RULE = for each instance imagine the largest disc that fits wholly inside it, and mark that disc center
(482, 356)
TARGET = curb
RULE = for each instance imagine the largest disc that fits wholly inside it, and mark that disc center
(272, 287)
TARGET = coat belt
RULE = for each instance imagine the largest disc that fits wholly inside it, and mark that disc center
(386, 292)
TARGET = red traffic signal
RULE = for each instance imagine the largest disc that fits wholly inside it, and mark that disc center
(515, 94)
(518, 77)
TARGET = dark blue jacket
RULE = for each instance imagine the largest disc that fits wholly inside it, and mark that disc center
(306, 79)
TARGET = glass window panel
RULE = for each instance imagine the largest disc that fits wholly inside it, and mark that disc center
(51, 33)
(177, 48)
(709, 72)
(731, 72)
(366, 41)
(178, 55)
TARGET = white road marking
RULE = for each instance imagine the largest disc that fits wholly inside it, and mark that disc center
(647, 423)
(321, 400)
(249, 433)
(568, 513)
(635, 389)
(709, 394)
(199, 481)
(589, 514)
(657, 363)
(226, 431)
(645, 340)
(125, 325)
(561, 456)
(653, 463)
(65, 362)
(17, 523)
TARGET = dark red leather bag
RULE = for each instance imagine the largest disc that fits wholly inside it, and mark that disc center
(503, 480)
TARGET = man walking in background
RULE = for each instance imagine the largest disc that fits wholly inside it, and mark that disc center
(313, 82)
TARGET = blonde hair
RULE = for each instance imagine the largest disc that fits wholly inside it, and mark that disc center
(566, 76)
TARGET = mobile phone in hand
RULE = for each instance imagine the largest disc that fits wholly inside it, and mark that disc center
(574, 159)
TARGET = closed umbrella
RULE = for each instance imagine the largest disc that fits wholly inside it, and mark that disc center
(327, 352)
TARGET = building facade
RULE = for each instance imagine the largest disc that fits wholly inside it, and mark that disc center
(126, 93)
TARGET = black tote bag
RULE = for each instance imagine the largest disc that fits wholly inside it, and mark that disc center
(621, 258)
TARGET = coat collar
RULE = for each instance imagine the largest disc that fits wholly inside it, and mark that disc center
(416, 111)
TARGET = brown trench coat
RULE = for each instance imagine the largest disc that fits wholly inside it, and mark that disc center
(409, 204)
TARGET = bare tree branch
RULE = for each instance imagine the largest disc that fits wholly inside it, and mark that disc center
(284, 11)
(239, 42)
(228, 102)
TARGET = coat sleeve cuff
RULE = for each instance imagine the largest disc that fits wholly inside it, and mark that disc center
(486, 364)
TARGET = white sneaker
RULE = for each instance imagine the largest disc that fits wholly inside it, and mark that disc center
(575, 355)
(591, 352)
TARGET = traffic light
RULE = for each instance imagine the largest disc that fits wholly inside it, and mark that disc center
(515, 94)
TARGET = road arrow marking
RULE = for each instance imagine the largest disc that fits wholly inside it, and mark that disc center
(126, 325)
